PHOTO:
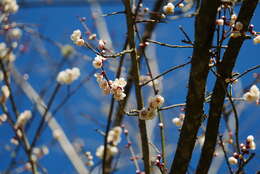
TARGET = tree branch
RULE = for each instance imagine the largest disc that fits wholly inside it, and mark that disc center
(204, 31)
(138, 92)
(225, 71)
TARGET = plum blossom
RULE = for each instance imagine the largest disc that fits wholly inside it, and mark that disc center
(168, 8)
(252, 95)
(178, 121)
(256, 40)
(68, 76)
(76, 37)
(149, 112)
(98, 61)
(232, 160)
(114, 135)
(22, 119)
(111, 151)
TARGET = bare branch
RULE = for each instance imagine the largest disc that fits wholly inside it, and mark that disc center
(53, 124)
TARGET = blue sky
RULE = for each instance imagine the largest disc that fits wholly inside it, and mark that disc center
(57, 23)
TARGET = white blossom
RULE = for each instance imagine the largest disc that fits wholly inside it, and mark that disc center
(22, 119)
(99, 77)
(75, 35)
(111, 151)
(252, 145)
(177, 121)
(156, 101)
(14, 141)
(14, 33)
(9, 6)
(181, 5)
(77, 38)
(45, 150)
(79, 42)
(101, 44)
(68, 76)
(117, 88)
(252, 95)
(257, 39)
(5, 93)
(114, 135)
(232, 160)
(119, 82)
(250, 138)
(3, 118)
(3, 50)
(169, 8)
(98, 61)
(120, 96)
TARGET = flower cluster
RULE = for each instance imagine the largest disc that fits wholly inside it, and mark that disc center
(9, 6)
(114, 136)
(115, 87)
(250, 145)
(111, 151)
(89, 157)
(149, 112)
(6, 53)
(178, 121)
(98, 61)
(39, 152)
(68, 76)
(22, 119)
(252, 95)
(113, 139)
(76, 37)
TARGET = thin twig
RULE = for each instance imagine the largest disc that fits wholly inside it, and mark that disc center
(139, 99)
(113, 13)
(166, 72)
(225, 154)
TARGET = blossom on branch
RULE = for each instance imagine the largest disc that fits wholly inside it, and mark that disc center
(252, 95)
(22, 119)
(169, 8)
(257, 39)
(77, 38)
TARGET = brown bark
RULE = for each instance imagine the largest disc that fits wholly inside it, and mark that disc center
(225, 68)
(204, 32)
